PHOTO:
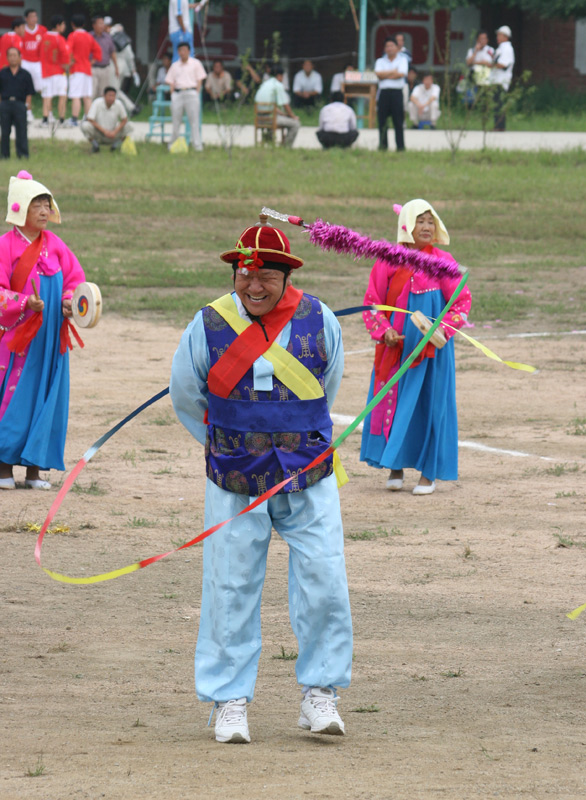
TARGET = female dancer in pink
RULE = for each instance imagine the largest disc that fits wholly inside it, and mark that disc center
(415, 424)
(38, 274)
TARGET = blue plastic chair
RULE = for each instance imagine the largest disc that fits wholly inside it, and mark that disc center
(161, 116)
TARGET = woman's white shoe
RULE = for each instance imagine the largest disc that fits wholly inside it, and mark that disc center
(7, 483)
(36, 484)
(421, 489)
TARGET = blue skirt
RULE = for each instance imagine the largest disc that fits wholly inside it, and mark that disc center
(34, 426)
(424, 433)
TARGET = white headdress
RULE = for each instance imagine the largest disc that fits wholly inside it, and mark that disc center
(21, 190)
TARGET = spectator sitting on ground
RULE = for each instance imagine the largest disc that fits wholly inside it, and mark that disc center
(107, 122)
(338, 80)
(218, 83)
(424, 102)
(307, 85)
(272, 92)
(337, 124)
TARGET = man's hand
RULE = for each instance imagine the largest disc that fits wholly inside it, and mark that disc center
(35, 303)
(392, 337)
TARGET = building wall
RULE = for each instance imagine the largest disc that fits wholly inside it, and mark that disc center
(330, 42)
(549, 51)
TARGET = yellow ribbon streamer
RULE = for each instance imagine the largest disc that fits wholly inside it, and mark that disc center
(482, 347)
(576, 612)
(105, 576)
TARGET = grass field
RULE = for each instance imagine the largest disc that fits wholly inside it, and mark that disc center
(149, 229)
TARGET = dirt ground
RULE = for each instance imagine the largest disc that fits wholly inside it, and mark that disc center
(468, 679)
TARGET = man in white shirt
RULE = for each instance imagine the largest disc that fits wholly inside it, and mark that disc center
(107, 122)
(479, 58)
(424, 102)
(272, 92)
(338, 80)
(180, 26)
(307, 85)
(391, 71)
(337, 124)
(185, 78)
(501, 74)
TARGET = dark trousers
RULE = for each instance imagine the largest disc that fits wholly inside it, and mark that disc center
(13, 112)
(500, 116)
(331, 139)
(390, 104)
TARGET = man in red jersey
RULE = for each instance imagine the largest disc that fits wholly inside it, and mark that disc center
(11, 39)
(54, 59)
(84, 50)
(31, 54)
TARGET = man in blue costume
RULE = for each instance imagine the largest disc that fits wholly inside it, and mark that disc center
(253, 379)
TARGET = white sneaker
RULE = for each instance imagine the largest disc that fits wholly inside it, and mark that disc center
(231, 722)
(319, 713)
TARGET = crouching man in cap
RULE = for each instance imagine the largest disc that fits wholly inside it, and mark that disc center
(253, 379)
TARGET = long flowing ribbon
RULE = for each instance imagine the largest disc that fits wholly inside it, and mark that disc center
(482, 347)
(89, 454)
(576, 612)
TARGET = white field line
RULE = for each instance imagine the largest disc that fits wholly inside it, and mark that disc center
(345, 420)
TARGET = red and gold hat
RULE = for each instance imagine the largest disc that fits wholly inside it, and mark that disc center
(259, 243)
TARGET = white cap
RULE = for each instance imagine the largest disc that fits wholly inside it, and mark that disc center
(506, 31)
(108, 21)
(23, 189)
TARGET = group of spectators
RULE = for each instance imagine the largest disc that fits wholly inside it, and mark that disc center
(89, 68)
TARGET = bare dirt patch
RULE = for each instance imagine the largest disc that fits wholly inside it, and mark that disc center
(468, 678)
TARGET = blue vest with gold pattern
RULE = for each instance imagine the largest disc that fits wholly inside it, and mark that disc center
(256, 439)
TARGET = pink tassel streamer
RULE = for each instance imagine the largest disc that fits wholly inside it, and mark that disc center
(343, 240)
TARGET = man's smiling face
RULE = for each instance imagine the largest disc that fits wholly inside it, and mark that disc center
(260, 290)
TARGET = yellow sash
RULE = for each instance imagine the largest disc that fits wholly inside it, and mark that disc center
(287, 368)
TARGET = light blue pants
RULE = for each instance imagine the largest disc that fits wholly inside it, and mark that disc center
(234, 565)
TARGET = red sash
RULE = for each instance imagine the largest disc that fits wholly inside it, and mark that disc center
(26, 332)
(251, 344)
